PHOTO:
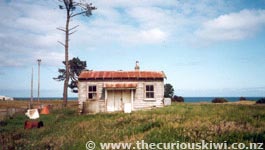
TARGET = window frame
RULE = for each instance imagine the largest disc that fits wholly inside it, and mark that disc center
(92, 89)
(149, 92)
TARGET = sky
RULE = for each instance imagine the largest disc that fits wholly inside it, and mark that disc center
(205, 47)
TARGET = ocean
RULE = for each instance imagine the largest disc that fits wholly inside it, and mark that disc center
(186, 99)
(45, 98)
(209, 99)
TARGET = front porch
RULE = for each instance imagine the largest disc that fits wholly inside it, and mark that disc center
(119, 94)
(116, 96)
(115, 99)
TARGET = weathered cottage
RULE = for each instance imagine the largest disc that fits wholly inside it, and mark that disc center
(108, 91)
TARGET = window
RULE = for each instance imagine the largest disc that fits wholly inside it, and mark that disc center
(149, 91)
(92, 92)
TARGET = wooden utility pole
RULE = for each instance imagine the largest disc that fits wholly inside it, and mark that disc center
(39, 60)
(31, 91)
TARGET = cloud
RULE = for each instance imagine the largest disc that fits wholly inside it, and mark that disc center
(152, 35)
(110, 22)
(52, 58)
(131, 21)
(2, 73)
(151, 16)
(127, 20)
(134, 3)
(7, 61)
(29, 28)
(233, 26)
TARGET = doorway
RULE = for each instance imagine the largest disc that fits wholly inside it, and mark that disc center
(117, 98)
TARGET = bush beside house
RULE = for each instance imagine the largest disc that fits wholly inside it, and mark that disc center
(177, 98)
(242, 98)
(219, 100)
(261, 101)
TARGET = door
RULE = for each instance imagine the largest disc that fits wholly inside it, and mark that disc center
(126, 96)
(117, 98)
(114, 100)
(110, 101)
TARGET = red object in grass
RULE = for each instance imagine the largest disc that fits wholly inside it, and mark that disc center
(33, 124)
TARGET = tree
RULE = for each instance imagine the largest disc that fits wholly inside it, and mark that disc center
(75, 67)
(260, 101)
(169, 90)
(177, 98)
(242, 98)
(219, 100)
(73, 9)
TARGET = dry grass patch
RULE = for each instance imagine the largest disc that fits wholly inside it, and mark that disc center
(65, 129)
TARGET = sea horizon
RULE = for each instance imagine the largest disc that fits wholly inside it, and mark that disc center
(188, 99)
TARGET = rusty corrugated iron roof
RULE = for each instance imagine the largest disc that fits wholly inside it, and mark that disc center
(122, 75)
(120, 85)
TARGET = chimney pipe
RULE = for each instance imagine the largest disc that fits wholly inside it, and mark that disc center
(137, 67)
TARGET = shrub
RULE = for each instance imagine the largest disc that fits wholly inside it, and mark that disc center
(261, 101)
(242, 98)
(169, 90)
(177, 99)
(219, 100)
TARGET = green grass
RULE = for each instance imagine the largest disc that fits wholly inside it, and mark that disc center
(65, 129)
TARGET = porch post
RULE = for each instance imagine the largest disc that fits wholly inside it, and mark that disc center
(106, 98)
(132, 98)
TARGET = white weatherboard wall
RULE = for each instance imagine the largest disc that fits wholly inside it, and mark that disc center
(104, 96)
(141, 101)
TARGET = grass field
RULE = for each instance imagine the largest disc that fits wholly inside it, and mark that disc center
(65, 129)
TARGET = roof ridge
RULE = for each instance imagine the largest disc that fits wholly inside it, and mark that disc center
(122, 75)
